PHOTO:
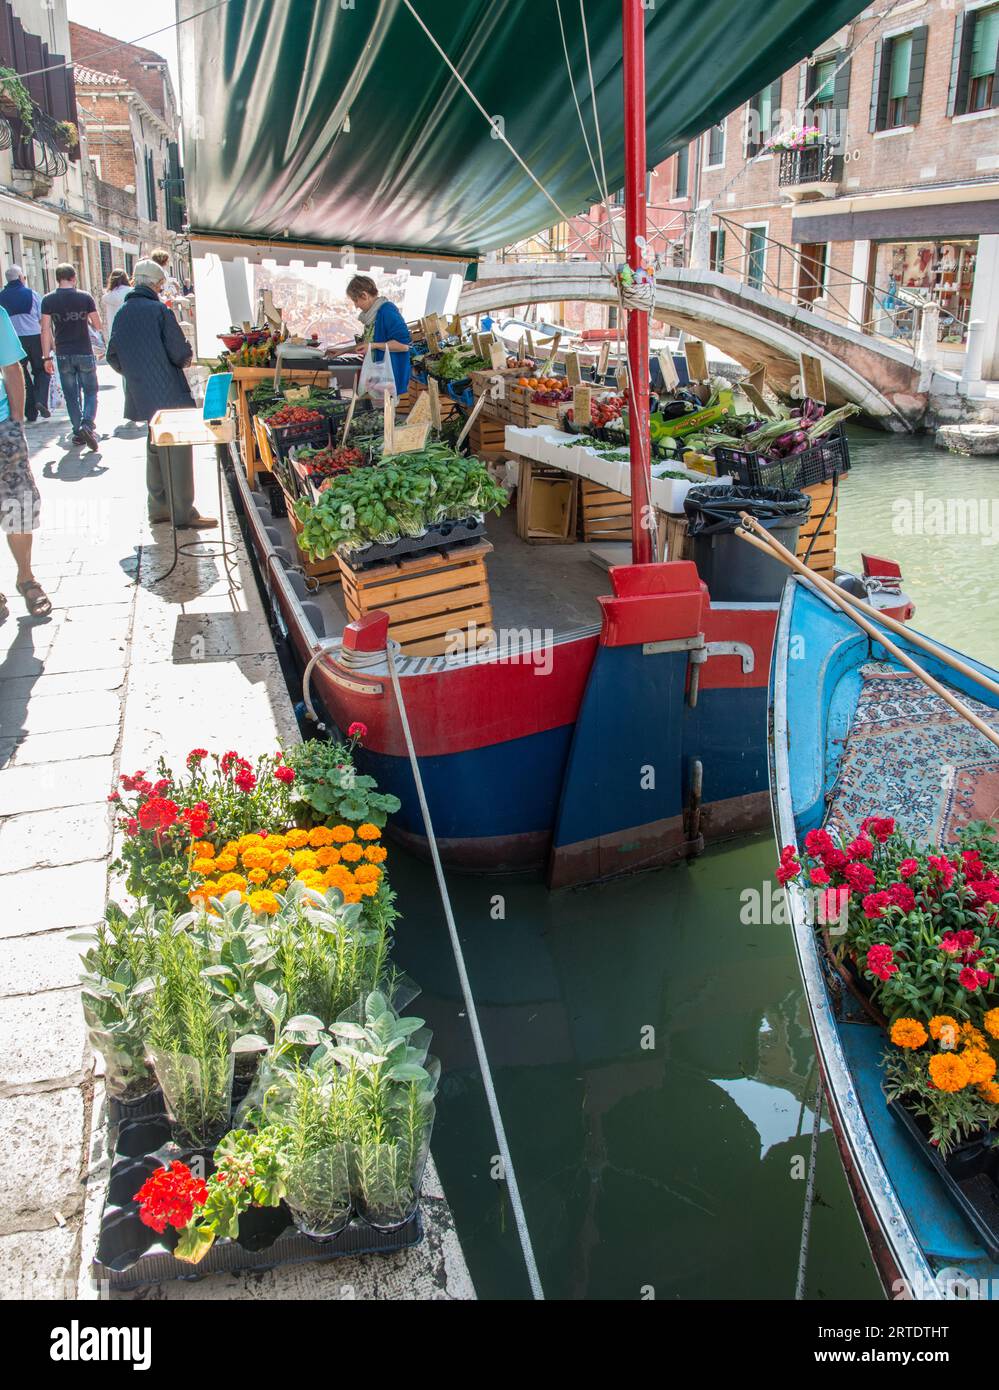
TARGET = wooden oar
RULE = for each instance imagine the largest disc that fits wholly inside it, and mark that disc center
(916, 638)
(778, 552)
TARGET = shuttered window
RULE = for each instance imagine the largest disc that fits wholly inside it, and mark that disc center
(762, 117)
(984, 59)
(897, 87)
(682, 172)
(716, 145)
(824, 83)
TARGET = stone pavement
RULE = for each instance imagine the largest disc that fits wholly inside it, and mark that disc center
(121, 672)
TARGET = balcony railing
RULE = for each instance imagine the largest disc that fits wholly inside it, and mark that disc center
(816, 163)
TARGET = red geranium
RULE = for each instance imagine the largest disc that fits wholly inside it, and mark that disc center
(284, 774)
(169, 1196)
(158, 813)
(357, 730)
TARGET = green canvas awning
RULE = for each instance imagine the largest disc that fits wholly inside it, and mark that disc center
(338, 124)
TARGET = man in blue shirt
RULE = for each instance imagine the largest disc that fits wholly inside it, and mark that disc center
(67, 317)
(24, 305)
(20, 503)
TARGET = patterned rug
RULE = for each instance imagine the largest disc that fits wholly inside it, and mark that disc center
(909, 755)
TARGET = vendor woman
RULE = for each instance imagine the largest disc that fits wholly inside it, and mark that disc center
(384, 327)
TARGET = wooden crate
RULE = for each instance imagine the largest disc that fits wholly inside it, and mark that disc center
(538, 522)
(674, 540)
(326, 571)
(528, 414)
(428, 598)
(510, 406)
(823, 556)
(265, 452)
(487, 438)
(606, 513)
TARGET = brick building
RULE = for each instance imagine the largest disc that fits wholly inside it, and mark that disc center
(130, 118)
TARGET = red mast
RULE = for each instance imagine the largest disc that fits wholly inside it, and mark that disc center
(633, 36)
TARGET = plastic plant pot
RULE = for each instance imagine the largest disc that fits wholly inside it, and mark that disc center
(137, 1107)
(139, 1137)
(198, 1102)
(388, 1176)
(319, 1193)
(128, 1177)
(259, 1227)
(125, 1239)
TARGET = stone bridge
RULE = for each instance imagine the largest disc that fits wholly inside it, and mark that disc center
(881, 377)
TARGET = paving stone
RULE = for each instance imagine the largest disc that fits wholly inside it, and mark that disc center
(66, 683)
(80, 656)
(42, 1042)
(41, 838)
(40, 1135)
(48, 785)
(32, 964)
(71, 895)
(46, 714)
(39, 1265)
(51, 748)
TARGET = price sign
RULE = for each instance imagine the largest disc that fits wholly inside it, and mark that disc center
(406, 438)
(573, 375)
(421, 410)
(813, 380)
(667, 366)
(388, 411)
(697, 360)
(581, 397)
(530, 343)
(621, 377)
(434, 343)
(455, 326)
(434, 397)
(602, 360)
(497, 355)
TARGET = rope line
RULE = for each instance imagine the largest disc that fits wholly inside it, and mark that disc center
(806, 1219)
(509, 1174)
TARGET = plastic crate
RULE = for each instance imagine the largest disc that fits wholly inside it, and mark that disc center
(282, 437)
(828, 457)
(461, 391)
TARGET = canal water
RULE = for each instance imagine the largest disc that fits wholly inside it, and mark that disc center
(649, 1038)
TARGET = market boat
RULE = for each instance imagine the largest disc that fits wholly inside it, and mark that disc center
(602, 732)
(853, 734)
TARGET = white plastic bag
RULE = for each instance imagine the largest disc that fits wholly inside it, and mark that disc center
(57, 400)
(377, 379)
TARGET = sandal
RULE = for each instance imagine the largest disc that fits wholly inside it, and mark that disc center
(38, 602)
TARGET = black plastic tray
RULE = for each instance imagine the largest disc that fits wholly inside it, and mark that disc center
(130, 1255)
(828, 457)
(442, 535)
(975, 1193)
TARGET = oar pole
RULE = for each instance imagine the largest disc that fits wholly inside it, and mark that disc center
(633, 65)
(778, 552)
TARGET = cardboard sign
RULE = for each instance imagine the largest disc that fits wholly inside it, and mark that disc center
(406, 438)
(621, 377)
(603, 359)
(388, 411)
(473, 416)
(350, 411)
(530, 344)
(455, 325)
(573, 375)
(581, 398)
(434, 397)
(522, 349)
(813, 380)
(420, 411)
(671, 378)
(480, 341)
(697, 360)
(271, 315)
(497, 355)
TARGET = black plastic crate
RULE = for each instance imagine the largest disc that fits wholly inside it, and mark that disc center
(828, 457)
(442, 535)
(131, 1255)
(316, 432)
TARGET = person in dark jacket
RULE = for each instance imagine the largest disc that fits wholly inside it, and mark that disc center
(149, 350)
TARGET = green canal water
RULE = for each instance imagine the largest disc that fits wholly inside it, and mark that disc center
(650, 1047)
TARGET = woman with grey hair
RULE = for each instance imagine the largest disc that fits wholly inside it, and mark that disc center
(149, 350)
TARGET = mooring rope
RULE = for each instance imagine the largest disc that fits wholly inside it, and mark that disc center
(806, 1219)
(509, 1174)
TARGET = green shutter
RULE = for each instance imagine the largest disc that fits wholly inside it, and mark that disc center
(984, 43)
(879, 89)
(901, 58)
(917, 69)
(824, 82)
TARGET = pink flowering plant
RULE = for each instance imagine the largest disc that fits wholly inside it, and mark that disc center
(920, 926)
(796, 138)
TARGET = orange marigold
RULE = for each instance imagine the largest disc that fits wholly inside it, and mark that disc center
(336, 876)
(295, 839)
(257, 875)
(251, 841)
(981, 1066)
(342, 833)
(989, 1091)
(320, 835)
(257, 858)
(279, 885)
(303, 859)
(199, 895)
(312, 878)
(367, 831)
(908, 1032)
(328, 855)
(280, 861)
(263, 901)
(230, 883)
(352, 894)
(949, 1072)
(202, 849)
(376, 854)
(225, 863)
(367, 873)
(944, 1029)
(276, 842)
(368, 890)
(203, 866)
(991, 1021)
(973, 1037)
(351, 853)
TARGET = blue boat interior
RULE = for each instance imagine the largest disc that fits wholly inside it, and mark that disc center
(832, 675)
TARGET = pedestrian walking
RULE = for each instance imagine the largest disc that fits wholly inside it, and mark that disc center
(113, 298)
(24, 307)
(67, 316)
(20, 504)
(149, 350)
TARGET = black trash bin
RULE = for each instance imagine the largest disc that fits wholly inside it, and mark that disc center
(734, 571)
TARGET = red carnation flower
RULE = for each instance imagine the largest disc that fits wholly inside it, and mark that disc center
(908, 867)
(245, 780)
(971, 979)
(834, 859)
(819, 877)
(196, 756)
(357, 730)
(881, 962)
(818, 842)
(874, 904)
(860, 848)
(901, 895)
(881, 827)
(859, 876)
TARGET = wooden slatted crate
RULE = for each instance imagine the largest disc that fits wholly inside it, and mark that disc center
(606, 513)
(429, 598)
(823, 556)
(510, 405)
(546, 504)
(487, 438)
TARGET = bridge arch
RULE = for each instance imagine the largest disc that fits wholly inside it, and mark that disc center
(749, 325)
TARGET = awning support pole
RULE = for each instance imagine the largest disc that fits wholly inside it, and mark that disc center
(633, 38)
